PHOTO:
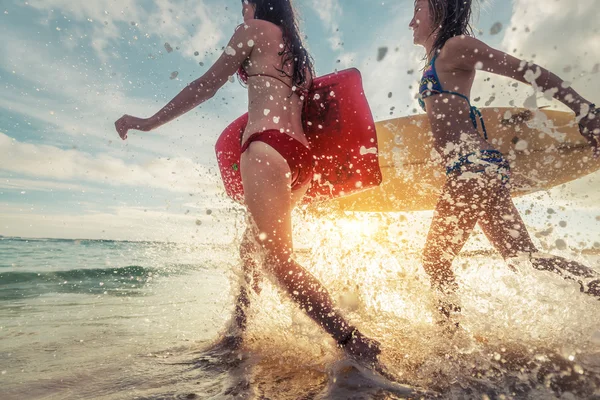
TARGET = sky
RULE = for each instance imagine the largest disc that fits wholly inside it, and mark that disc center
(69, 69)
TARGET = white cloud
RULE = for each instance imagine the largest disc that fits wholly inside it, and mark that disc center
(43, 161)
(121, 223)
(78, 103)
(195, 26)
(397, 72)
(11, 183)
(562, 36)
(61, 92)
(540, 33)
(329, 11)
(348, 59)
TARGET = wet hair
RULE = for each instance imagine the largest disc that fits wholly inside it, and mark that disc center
(282, 14)
(451, 18)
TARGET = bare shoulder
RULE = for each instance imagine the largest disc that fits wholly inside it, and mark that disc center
(246, 29)
(259, 26)
(460, 51)
(462, 44)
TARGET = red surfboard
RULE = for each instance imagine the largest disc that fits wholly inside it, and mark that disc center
(339, 127)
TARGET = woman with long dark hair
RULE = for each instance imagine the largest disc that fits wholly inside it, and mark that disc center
(477, 188)
(276, 164)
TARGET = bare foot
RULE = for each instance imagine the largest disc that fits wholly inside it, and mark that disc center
(233, 342)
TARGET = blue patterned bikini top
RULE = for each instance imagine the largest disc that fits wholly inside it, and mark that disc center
(430, 85)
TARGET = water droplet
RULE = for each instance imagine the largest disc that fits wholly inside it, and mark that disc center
(521, 145)
(381, 53)
(496, 28)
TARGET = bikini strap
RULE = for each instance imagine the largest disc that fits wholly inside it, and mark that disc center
(295, 89)
(474, 112)
(434, 70)
(271, 76)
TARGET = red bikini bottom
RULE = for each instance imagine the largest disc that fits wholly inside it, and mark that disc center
(298, 156)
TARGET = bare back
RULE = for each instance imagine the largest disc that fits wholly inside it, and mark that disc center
(449, 115)
(272, 104)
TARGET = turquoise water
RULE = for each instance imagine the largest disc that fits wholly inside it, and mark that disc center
(75, 314)
(121, 320)
(34, 267)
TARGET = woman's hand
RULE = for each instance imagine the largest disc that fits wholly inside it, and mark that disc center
(589, 127)
(127, 122)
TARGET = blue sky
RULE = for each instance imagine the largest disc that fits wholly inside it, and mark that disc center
(69, 69)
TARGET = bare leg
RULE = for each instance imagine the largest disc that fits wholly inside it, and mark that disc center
(248, 253)
(265, 175)
(505, 229)
(457, 211)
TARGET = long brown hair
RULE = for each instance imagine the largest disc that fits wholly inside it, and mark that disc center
(451, 18)
(282, 14)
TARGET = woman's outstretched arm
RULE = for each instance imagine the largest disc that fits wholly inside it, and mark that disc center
(471, 53)
(202, 89)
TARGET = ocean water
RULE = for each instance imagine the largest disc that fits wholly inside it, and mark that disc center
(127, 320)
(87, 319)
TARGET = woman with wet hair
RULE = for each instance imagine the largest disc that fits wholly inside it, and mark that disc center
(477, 188)
(276, 164)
